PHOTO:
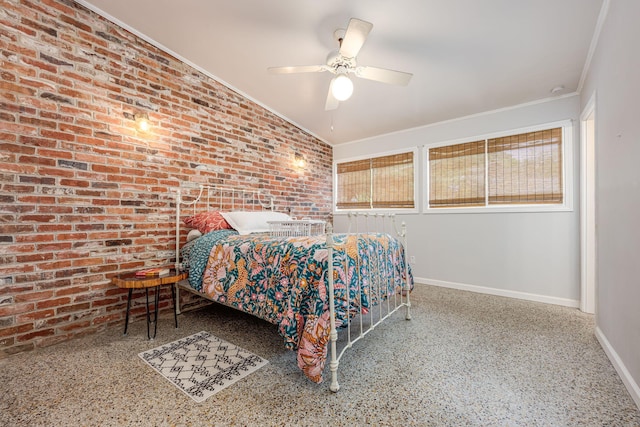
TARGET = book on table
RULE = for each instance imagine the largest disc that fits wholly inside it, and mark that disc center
(153, 272)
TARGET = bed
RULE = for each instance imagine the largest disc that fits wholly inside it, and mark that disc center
(308, 281)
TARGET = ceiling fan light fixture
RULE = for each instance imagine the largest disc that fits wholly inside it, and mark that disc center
(342, 62)
(342, 87)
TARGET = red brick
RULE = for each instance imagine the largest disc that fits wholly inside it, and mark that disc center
(86, 262)
(55, 154)
(38, 218)
(74, 326)
(58, 135)
(25, 238)
(9, 310)
(52, 321)
(19, 128)
(34, 257)
(36, 334)
(103, 302)
(82, 307)
(107, 319)
(48, 228)
(34, 315)
(7, 342)
(19, 69)
(12, 87)
(33, 296)
(40, 200)
(74, 183)
(53, 302)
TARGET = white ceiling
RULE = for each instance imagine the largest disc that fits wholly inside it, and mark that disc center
(466, 56)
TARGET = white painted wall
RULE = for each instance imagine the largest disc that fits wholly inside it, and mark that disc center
(525, 255)
(614, 76)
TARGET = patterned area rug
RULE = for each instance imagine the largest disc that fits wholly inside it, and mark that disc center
(201, 364)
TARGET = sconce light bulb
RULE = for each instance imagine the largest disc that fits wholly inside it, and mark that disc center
(300, 161)
(144, 125)
(142, 121)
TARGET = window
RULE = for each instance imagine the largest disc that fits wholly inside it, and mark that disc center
(457, 174)
(502, 171)
(526, 168)
(384, 182)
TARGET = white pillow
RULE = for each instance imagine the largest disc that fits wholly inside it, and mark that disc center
(253, 221)
(193, 234)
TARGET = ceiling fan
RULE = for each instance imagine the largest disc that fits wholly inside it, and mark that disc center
(342, 62)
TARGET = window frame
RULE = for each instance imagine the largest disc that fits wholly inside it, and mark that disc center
(567, 173)
(416, 180)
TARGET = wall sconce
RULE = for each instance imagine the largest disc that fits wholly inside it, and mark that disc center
(299, 161)
(142, 121)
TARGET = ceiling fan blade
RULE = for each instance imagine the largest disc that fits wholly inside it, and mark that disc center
(298, 69)
(354, 38)
(332, 103)
(383, 75)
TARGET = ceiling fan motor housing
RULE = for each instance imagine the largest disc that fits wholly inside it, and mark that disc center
(335, 61)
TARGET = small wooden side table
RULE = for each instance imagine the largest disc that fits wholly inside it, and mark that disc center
(131, 281)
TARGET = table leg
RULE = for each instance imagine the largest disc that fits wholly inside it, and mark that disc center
(126, 318)
(177, 298)
(155, 313)
(173, 297)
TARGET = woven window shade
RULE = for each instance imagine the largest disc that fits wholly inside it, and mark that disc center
(381, 182)
(526, 168)
(457, 175)
(354, 185)
(393, 181)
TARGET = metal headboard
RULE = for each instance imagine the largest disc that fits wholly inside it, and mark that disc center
(216, 197)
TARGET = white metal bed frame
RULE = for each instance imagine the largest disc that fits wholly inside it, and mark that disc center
(384, 223)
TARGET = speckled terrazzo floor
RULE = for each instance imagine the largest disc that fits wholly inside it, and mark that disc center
(464, 359)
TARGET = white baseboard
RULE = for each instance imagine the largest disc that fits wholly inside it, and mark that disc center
(627, 379)
(501, 292)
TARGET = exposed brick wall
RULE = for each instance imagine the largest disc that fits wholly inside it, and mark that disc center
(84, 194)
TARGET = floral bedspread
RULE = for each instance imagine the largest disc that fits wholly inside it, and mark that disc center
(283, 281)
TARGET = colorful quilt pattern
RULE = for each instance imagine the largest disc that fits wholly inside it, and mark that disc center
(283, 281)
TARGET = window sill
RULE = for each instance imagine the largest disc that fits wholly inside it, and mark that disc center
(499, 209)
(395, 211)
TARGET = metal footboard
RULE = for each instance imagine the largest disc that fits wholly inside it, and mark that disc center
(379, 278)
